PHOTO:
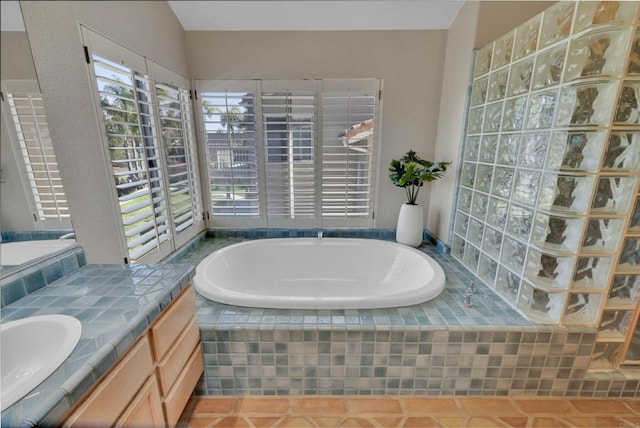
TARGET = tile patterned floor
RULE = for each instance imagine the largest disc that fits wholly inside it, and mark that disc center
(420, 412)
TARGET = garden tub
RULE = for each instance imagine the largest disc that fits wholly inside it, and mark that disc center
(319, 273)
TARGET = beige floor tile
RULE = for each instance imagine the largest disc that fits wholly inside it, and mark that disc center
(355, 422)
(514, 421)
(452, 422)
(264, 421)
(388, 421)
(430, 406)
(295, 422)
(578, 421)
(232, 422)
(548, 422)
(484, 422)
(600, 407)
(318, 405)
(420, 422)
(207, 405)
(262, 405)
(533, 406)
(488, 406)
(373, 405)
(326, 422)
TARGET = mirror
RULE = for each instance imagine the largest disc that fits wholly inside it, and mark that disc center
(26, 159)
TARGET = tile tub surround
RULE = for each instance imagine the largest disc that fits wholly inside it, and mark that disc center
(436, 348)
(115, 305)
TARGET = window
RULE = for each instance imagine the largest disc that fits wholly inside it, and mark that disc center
(291, 153)
(30, 123)
(149, 138)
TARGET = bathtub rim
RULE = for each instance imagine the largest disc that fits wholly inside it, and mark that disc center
(404, 299)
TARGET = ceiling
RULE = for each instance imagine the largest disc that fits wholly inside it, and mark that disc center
(268, 15)
(285, 15)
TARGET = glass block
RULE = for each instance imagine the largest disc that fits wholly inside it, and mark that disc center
(508, 148)
(464, 200)
(507, 285)
(625, 291)
(484, 175)
(623, 152)
(612, 195)
(634, 60)
(468, 174)
(487, 269)
(457, 249)
(615, 324)
(483, 60)
(549, 270)
(630, 256)
(541, 109)
(472, 148)
(565, 193)
(474, 125)
(492, 117)
(479, 91)
(597, 54)
(520, 77)
(627, 110)
(603, 12)
(605, 355)
(526, 38)
(602, 235)
(549, 66)
(556, 233)
(502, 180)
(575, 150)
(525, 187)
(514, 110)
(519, 222)
(634, 222)
(540, 305)
(513, 254)
(492, 242)
(471, 257)
(462, 224)
(533, 149)
(556, 23)
(498, 210)
(582, 308)
(475, 232)
(489, 148)
(586, 104)
(502, 50)
(592, 272)
(479, 205)
(497, 85)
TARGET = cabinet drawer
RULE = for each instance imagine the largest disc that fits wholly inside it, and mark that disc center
(176, 400)
(114, 393)
(172, 364)
(146, 409)
(170, 325)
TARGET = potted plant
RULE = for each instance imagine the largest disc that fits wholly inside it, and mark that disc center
(411, 172)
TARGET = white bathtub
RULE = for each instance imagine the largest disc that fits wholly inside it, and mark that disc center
(17, 253)
(313, 273)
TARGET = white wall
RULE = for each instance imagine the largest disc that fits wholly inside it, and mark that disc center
(148, 27)
(409, 62)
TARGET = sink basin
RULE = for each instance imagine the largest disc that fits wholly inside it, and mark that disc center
(31, 350)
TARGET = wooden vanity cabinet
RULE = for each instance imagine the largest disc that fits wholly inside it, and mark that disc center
(151, 384)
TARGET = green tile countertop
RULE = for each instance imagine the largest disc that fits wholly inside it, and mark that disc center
(115, 304)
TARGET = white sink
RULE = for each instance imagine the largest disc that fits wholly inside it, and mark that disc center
(31, 350)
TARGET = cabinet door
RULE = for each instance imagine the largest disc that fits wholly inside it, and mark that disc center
(166, 330)
(146, 409)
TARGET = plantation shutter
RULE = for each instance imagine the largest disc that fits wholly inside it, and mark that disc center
(30, 123)
(175, 117)
(229, 122)
(289, 130)
(349, 116)
(126, 102)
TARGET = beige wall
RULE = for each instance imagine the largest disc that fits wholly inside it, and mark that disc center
(409, 62)
(148, 27)
(496, 18)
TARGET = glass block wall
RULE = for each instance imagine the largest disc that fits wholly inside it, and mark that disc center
(548, 209)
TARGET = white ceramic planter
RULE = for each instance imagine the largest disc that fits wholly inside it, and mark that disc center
(410, 225)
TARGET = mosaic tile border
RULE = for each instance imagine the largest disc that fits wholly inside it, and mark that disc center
(34, 235)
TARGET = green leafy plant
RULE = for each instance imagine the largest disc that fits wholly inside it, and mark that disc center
(411, 172)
